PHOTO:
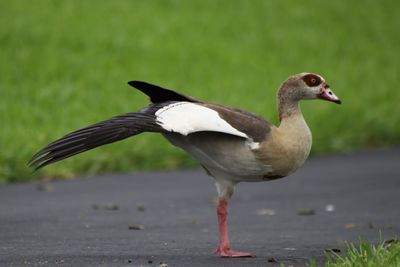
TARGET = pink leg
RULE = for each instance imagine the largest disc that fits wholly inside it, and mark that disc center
(224, 247)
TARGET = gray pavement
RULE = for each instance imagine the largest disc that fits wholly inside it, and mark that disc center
(85, 222)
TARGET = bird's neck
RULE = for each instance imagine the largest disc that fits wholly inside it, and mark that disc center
(291, 119)
(288, 109)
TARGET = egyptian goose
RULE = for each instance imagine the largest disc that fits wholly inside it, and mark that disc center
(231, 144)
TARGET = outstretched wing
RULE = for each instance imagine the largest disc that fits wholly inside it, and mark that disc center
(170, 112)
(105, 132)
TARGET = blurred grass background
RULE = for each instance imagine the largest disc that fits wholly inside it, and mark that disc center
(65, 64)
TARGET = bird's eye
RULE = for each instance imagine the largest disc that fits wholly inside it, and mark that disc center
(312, 80)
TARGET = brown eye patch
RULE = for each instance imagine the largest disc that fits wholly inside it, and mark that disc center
(312, 80)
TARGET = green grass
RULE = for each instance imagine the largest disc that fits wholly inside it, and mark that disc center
(366, 255)
(65, 64)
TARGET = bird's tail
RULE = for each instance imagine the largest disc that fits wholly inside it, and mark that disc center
(105, 132)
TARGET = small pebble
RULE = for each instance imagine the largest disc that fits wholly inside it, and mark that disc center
(330, 208)
(163, 264)
(149, 261)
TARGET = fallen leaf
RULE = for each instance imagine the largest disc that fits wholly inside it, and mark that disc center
(291, 249)
(305, 212)
(351, 226)
(266, 212)
(391, 241)
(110, 206)
(140, 207)
(135, 227)
(271, 259)
(44, 186)
(214, 200)
(335, 250)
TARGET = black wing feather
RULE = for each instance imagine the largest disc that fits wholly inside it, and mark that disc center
(105, 132)
(158, 94)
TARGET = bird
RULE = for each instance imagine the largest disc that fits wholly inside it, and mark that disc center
(232, 145)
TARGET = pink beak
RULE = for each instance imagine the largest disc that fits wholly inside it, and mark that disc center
(328, 95)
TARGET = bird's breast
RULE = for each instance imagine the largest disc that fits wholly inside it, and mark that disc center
(287, 148)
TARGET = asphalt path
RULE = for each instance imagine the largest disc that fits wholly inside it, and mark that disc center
(168, 218)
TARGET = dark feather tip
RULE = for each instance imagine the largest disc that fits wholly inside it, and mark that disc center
(134, 83)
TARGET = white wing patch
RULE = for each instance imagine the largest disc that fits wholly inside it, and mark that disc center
(187, 117)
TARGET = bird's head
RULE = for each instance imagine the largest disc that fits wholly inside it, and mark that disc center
(307, 86)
